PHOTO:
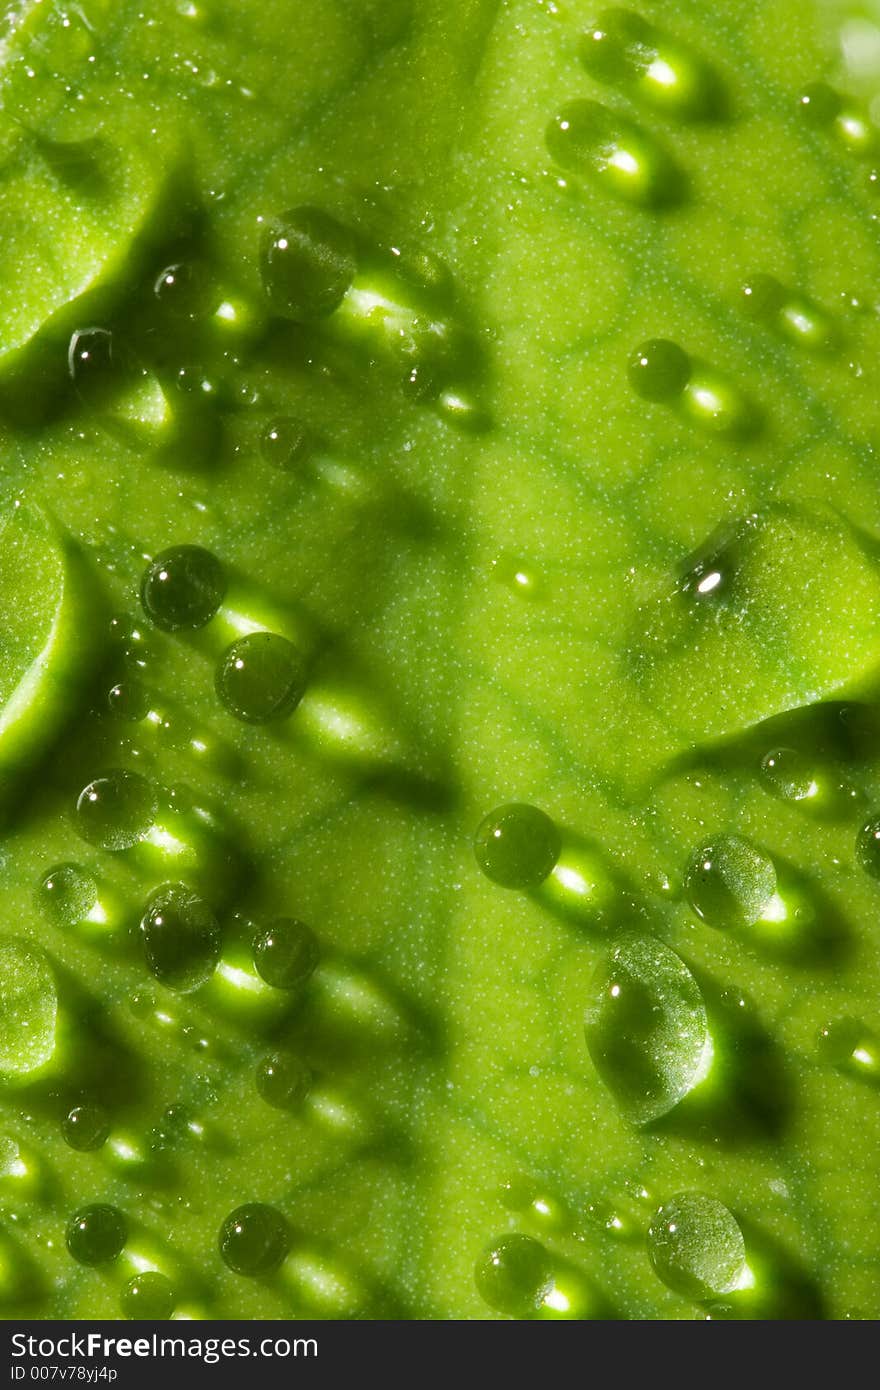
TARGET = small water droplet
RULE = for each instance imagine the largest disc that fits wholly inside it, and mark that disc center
(517, 846)
(149, 1296)
(307, 260)
(68, 892)
(730, 882)
(91, 361)
(788, 774)
(128, 700)
(261, 678)
(659, 370)
(697, 1248)
(97, 1234)
(588, 138)
(86, 1127)
(287, 442)
(254, 1239)
(283, 1081)
(868, 846)
(183, 290)
(647, 1029)
(183, 588)
(848, 1044)
(286, 953)
(515, 1275)
(117, 810)
(181, 938)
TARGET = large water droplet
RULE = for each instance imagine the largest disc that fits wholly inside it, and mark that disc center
(117, 810)
(849, 1044)
(646, 1028)
(97, 1234)
(149, 1296)
(515, 1275)
(696, 1246)
(261, 678)
(28, 1009)
(517, 846)
(181, 938)
(286, 953)
(183, 588)
(68, 893)
(307, 260)
(730, 882)
(254, 1239)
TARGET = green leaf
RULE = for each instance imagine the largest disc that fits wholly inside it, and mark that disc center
(562, 504)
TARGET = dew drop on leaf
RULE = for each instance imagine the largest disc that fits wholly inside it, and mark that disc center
(86, 1127)
(286, 953)
(183, 588)
(97, 1234)
(261, 678)
(307, 262)
(514, 1275)
(730, 882)
(149, 1296)
(647, 1029)
(181, 938)
(254, 1239)
(517, 846)
(696, 1246)
(68, 893)
(117, 810)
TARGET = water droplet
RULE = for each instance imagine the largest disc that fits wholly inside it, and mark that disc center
(625, 50)
(181, 938)
(697, 1248)
(788, 774)
(283, 1080)
(91, 361)
(117, 810)
(261, 677)
(848, 1044)
(659, 370)
(307, 260)
(286, 953)
(646, 1028)
(128, 700)
(587, 138)
(28, 1009)
(183, 588)
(730, 882)
(868, 846)
(97, 1234)
(517, 575)
(184, 291)
(517, 846)
(532, 1199)
(254, 1239)
(515, 1275)
(68, 892)
(287, 442)
(86, 1127)
(763, 296)
(149, 1296)
(819, 103)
